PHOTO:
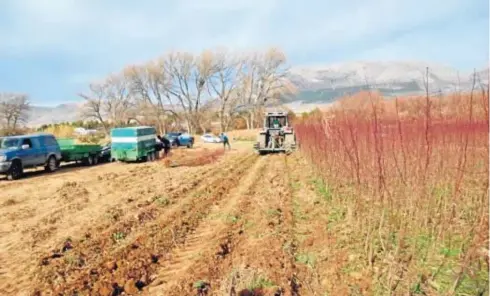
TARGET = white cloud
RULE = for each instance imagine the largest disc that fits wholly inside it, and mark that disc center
(107, 34)
(462, 45)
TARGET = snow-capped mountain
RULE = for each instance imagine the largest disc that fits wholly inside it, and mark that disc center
(322, 85)
(39, 115)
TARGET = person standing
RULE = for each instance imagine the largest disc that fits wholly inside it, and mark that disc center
(226, 141)
(166, 146)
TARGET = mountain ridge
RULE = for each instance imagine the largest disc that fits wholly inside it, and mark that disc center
(320, 85)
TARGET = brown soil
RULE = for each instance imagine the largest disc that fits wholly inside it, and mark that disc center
(222, 227)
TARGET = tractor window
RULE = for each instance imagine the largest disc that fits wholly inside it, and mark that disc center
(276, 121)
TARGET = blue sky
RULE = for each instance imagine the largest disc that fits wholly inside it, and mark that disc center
(52, 49)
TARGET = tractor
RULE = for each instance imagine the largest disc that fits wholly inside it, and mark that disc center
(277, 135)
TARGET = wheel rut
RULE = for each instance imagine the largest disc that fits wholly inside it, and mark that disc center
(209, 238)
(254, 245)
(101, 270)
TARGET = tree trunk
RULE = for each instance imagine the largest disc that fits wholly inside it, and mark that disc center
(14, 125)
(203, 128)
(106, 128)
(161, 128)
(252, 119)
(222, 120)
(247, 121)
(189, 126)
(227, 125)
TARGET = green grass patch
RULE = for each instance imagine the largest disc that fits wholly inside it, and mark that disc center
(323, 189)
(308, 259)
(273, 213)
(161, 200)
(232, 219)
(335, 215)
(118, 236)
(260, 282)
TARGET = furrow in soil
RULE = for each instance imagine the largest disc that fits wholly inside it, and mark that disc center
(130, 254)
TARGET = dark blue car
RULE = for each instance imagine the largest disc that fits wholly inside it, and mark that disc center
(28, 151)
(180, 139)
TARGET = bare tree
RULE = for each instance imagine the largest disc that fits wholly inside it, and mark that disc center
(207, 115)
(118, 105)
(223, 83)
(13, 110)
(174, 88)
(188, 76)
(94, 104)
(263, 80)
(149, 85)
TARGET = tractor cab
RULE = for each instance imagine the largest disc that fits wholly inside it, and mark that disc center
(276, 122)
(277, 135)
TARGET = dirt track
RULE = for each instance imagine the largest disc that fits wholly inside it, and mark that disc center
(154, 230)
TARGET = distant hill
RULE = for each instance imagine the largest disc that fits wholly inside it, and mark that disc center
(321, 85)
(39, 115)
(326, 84)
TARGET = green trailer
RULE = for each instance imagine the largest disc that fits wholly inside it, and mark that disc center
(133, 144)
(88, 154)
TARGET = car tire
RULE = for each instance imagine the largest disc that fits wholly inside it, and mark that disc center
(16, 171)
(52, 164)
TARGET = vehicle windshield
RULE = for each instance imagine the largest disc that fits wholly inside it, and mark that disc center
(7, 143)
(276, 121)
(173, 135)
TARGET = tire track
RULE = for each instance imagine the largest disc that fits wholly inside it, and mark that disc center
(255, 245)
(319, 258)
(208, 237)
(268, 248)
(138, 259)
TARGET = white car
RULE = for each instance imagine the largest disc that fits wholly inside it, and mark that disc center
(210, 138)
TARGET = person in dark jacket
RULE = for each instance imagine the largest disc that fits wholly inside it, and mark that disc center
(166, 145)
(226, 141)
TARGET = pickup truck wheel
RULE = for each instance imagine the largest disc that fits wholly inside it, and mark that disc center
(15, 171)
(52, 164)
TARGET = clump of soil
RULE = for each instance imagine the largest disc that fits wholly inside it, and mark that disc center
(245, 281)
(199, 158)
(72, 189)
(202, 287)
(9, 202)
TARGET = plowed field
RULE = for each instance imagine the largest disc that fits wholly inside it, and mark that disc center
(229, 227)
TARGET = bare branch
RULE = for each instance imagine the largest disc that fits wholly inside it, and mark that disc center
(94, 104)
(263, 80)
(223, 84)
(13, 110)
